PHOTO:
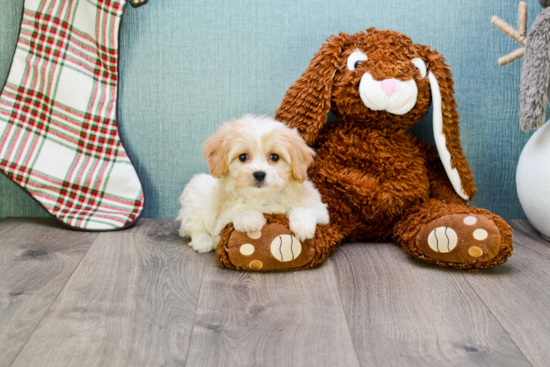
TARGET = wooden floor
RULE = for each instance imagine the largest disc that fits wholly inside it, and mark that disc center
(141, 297)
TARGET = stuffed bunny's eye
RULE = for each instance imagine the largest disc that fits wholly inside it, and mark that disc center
(419, 65)
(356, 59)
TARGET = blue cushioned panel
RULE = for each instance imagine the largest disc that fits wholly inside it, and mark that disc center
(189, 65)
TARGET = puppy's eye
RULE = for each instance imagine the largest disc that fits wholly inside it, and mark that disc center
(243, 157)
(274, 157)
(419, 65)
(355, 59)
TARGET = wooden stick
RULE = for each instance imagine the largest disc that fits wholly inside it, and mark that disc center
(508, 29)
(514, 55)
(522, 18)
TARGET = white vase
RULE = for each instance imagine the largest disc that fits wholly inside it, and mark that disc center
(533, 180)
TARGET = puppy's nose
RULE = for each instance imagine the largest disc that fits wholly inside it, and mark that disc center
(390, 86)
(259, 176)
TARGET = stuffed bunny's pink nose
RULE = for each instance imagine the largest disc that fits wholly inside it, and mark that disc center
(390, 86)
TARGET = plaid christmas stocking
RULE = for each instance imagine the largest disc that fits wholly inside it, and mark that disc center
(59, 139)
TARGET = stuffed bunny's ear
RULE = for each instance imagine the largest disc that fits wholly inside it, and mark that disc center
(307, 102)
(446, 130)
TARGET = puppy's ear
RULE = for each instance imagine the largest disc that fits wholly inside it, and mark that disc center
(307, 102)
(445, 126)
(214, 152)
(301, 156)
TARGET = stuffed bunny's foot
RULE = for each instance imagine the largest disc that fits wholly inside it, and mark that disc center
(274, 247)
(460, 238)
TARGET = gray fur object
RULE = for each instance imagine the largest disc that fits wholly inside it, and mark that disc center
(532, 175)
(544, 3)
(535, 73)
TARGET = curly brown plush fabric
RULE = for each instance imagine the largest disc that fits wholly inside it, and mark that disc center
(379, 181)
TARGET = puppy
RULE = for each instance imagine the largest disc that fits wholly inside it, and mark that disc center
(257, 165)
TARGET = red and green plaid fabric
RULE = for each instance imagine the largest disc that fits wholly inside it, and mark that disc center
(58, 115)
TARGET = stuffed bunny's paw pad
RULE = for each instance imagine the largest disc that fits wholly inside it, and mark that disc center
(272, 248)
(460, 238)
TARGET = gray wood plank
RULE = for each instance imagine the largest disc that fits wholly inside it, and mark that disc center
(403, 312)
(37, 258)
(131, 302)
(518, 293)
(270, 319)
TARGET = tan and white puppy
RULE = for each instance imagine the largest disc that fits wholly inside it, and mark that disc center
(257, 165)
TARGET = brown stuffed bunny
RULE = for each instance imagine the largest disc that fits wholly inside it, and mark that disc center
(379, 181)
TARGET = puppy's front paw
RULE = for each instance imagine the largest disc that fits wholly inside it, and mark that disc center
(323, 217)
(303, 226)
(249, 221)
(202, 243)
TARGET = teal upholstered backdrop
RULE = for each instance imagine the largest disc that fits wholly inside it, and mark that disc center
(188, 65)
